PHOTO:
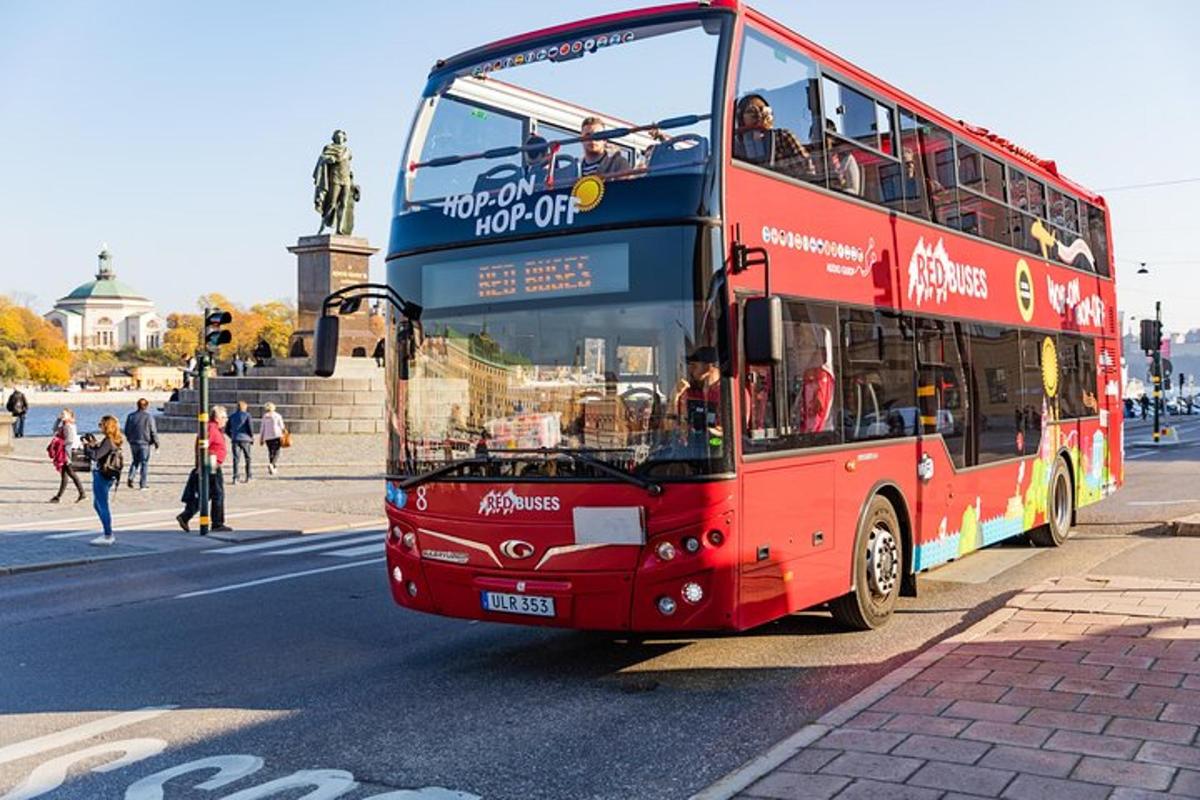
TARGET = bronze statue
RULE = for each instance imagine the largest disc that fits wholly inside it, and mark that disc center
(336, 192)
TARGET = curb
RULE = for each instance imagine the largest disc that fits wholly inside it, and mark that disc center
(1185, 526)
(43, 566)
(734, 782)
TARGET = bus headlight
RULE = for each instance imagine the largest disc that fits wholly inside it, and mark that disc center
(715, 538)
(412, 589)
(666, 606)
(665, 551)
(397, 575)
(691, 544)
(692, 592)
(409, 540)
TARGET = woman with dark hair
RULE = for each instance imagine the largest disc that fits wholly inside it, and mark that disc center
(107, 466)
(758, 141)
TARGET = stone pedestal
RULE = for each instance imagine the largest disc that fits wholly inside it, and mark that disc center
(325, 264)
(6, 432)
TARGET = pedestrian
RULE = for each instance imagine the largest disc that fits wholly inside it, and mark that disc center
(1144, 402)
(107, 466)
(378, 353)
(63, 445)
(262, 353)
(216, 480)
(18, 406)
(271, 433)
(142, 432)
(239, 365)
(189, 372)
(240, 431)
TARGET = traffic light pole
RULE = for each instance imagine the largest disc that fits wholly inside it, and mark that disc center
(202, 465)
(1158, 387)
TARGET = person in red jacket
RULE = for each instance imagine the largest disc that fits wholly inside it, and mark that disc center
(216, 479)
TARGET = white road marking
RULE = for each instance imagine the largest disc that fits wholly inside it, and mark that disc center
(275, 579)
(376, 538)
(148, 525)
(290, 542)
(52, 774)
(79, 733)
(22, 527)
(1160, 502)
(341, 526)
(355, 552)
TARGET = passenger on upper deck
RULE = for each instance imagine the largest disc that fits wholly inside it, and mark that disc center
(598, 157)
(757, 140)
(844, 172)
(535, 158)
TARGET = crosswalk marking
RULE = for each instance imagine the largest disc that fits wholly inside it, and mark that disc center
(375, 536)
(169, 521)
(25, 527)
(355, 552)
(287, 544)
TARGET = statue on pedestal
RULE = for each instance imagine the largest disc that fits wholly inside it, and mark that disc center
(336, 192)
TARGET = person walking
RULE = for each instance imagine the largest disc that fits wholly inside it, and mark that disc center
(216, 479)
(107, 467)
(63, 444)
(240, 431)
(18, 406)
(271, 433)
(142, 432)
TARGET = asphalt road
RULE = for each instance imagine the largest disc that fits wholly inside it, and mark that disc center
(317, 675)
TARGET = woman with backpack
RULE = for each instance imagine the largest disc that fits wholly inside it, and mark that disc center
(273, 433)
(107, 466)
(63, 444)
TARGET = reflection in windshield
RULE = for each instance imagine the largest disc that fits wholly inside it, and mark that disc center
(563, 110)
(627, 372)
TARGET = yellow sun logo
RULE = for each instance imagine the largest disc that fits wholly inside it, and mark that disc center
(1049, 367)
(588, 191)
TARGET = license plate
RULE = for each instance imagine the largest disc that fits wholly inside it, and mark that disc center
(532, 605)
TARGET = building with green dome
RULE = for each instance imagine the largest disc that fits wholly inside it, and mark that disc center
(105, 314)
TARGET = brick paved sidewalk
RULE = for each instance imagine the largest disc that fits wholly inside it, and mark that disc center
(1079, 688)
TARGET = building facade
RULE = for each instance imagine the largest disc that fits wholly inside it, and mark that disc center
(105, 314)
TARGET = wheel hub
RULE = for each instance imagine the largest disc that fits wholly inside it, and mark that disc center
(883, 562)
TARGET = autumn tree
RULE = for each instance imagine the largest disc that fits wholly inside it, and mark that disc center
(182, 336)
(273, 321)
(35, 349)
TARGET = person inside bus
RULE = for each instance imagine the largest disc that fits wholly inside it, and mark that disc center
(535, 158)
(758, 141)
(812, 389)
(697, 399)
(845, 175)
(599, 157)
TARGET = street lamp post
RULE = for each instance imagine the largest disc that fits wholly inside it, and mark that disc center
(1158, 388)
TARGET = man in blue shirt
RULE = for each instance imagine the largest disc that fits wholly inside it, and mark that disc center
(142, 433)
(241, 435)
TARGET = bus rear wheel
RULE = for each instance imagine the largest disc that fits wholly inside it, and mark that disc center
(1060, 504)
(878, 562)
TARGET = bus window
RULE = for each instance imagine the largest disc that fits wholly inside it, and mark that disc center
(1077, 377)
(777, 118)
(1033, 393)
(878, 394)
(907, 180)
(941, 386)
(794, 404)
(1097, 237)
(996, 370)
(937, 151)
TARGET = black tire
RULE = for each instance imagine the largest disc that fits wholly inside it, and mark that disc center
(878, 568)
(1060, 508)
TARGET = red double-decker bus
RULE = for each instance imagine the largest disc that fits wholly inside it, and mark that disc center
(697, 324)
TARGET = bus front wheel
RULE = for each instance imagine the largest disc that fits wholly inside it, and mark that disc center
(878, 562)
(1060, 504)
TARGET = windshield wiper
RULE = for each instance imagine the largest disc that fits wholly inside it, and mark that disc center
(445, 469)
(512, 150)
(584, 457)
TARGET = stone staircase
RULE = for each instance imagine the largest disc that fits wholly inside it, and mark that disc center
(352, 401)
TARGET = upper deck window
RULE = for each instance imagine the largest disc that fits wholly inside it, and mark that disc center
(523, 116)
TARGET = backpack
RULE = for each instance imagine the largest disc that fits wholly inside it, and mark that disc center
(112, 465)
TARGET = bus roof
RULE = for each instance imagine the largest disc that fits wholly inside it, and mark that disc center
(1043, 168)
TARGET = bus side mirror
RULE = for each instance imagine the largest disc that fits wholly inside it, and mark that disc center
(762, 326)
(325, 345)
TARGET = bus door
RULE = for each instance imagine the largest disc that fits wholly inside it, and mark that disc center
(943, 427)
(789, 486)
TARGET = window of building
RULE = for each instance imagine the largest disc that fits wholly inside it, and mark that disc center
(878, 394)
(776, 80)
(1033, 393)
(941, 386)
(795, 404)
(996, 371)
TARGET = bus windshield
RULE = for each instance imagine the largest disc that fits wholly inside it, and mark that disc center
(605, 346)
(521, 114)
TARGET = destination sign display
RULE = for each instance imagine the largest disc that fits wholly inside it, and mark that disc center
(542, 274)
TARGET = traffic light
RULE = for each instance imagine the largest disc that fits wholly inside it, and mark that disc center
(214, 334)
(1151, 338)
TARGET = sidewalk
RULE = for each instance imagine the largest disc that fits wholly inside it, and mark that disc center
(1078, 688)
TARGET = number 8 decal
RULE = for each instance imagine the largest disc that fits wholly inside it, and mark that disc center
(422, 500)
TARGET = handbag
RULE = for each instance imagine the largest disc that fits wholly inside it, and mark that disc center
(80, 462)
(285, 440)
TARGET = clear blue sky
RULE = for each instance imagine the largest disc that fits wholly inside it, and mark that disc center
(184, 134)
